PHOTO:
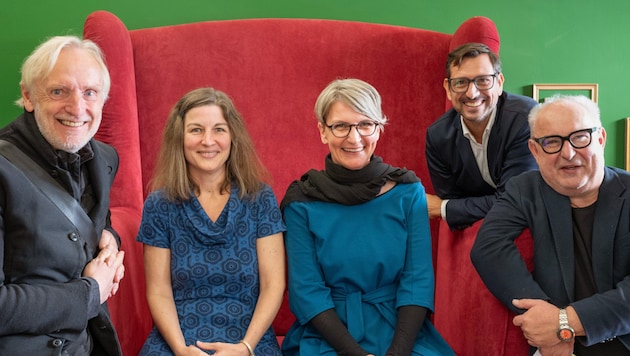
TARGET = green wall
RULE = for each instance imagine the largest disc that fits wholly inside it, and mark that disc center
(542, 41)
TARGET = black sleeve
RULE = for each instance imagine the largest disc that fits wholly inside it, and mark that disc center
(410, 320)
(108, 227)
(330, 327)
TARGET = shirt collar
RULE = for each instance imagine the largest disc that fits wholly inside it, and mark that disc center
(486, 132)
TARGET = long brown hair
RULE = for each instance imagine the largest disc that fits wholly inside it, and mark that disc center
(243, 167)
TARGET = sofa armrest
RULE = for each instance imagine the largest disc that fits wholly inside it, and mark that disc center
(119, 128)
(463, 302)
(128, 308)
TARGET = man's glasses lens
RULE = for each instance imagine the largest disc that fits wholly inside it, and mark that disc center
(577, 139)
(364, 128)
(482, 82)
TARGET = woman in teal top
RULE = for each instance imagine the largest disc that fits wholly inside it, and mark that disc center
(358, 242)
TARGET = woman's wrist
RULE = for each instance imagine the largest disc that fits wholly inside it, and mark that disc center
(248, 346)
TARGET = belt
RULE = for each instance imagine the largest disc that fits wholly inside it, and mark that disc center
(354, 307)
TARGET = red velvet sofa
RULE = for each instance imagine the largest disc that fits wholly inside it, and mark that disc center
(274, 69)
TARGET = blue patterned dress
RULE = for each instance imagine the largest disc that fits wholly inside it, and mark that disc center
(214, 269)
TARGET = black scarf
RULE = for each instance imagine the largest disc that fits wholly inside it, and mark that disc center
(337, 184)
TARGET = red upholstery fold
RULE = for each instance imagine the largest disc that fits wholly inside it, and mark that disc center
(128, 308)
(469, 317)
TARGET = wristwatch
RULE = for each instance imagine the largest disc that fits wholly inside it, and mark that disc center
(565, 332)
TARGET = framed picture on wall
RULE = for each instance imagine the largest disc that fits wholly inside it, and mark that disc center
(542, 91)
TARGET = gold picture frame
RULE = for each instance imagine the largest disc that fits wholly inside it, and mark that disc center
(542, 91)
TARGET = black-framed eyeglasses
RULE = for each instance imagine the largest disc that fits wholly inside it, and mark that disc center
(342, 130)
(482, 82)
(578, 139)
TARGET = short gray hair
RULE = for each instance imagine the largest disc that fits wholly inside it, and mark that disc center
(589, 106)
(359, 95)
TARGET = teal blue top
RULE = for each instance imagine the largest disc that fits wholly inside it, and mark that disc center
(364, 261)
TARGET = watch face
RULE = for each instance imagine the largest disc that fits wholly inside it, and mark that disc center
(565, 334)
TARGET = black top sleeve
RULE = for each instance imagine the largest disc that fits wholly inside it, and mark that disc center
(410, 320)
(330, 327)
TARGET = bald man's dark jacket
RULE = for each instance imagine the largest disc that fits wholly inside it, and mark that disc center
(529, 202)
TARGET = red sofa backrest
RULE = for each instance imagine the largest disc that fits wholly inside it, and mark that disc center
(273, 69)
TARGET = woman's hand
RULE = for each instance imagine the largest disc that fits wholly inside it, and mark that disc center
(224, 349)
(191, 350)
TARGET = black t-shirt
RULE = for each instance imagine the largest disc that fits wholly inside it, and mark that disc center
(585, 282)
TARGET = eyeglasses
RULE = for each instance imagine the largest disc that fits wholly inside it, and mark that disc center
(342, 130)
(577, 139)
(482, 82)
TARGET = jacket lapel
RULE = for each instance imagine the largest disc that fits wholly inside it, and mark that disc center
(605, 226)
(99, 171)
(463, 149)
(558, 210)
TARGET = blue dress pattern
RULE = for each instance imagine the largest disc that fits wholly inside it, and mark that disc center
(214, 269)
(365, 261)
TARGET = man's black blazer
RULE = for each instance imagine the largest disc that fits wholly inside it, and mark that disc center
(453, 169)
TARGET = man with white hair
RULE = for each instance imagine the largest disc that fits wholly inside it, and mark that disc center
(60, 256)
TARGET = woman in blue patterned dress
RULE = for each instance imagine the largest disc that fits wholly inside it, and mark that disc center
(358, 242)
(212, 233)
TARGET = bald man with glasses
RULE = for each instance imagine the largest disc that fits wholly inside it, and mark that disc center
(577, 298)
